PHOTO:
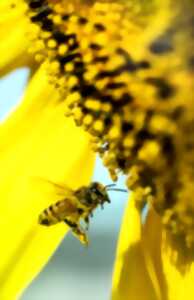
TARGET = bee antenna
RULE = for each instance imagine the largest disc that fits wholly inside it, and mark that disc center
(110, 185)
(118, 190)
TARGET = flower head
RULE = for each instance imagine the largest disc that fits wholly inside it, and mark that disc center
(124, 71)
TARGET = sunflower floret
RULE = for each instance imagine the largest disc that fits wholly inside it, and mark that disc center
(137, 104)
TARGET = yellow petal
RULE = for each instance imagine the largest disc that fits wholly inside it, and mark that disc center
(13, 36)
(179, 278)
(10, 12)
(152, 243)
(131, 278)
(172, 265)
(36, 141)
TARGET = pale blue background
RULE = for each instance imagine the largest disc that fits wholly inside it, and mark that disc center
(74, 272)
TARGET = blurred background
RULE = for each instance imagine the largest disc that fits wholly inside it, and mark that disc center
(74, 272)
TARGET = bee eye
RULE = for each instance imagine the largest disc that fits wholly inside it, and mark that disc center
(98, 193)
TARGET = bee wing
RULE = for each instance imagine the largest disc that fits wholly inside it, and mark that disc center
(59, 189)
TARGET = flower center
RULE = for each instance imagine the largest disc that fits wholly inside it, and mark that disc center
(129, 85)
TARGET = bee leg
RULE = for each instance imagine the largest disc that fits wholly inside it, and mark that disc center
(77, 231)
(82, 236)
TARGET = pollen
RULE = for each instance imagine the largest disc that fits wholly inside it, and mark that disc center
(62, 49)
(99, 126)
(114, 133)
(93, 104)
(88, 120)
(133, 94)
(73, 99)
(52, 44)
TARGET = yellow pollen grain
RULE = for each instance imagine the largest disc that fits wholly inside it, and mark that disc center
(72, 98)
(125, 77)
(93, 104)
(88, 120)
(39, 57)
(72, 81)
(117, 94)
(77, 113)
(54, 66)
(62, 81)
(88, 29)
(91, 73)
(160, 123)
(98, 126)
(128, 142)
(69, 67)
(45, 34)
(116, 119)
(58, 8)
(133, 177)
(33, 30)
(114, 133)
(71, 42)
(84, 43)
(88, 57)
(126, 152)
(106, 107)
(52, 43)
(73, 19)
(101, 39)
(115, 61)
(72, 26)
(149, 151)
(62, 49)
(57, 19)
(100, 84)
(38, 46)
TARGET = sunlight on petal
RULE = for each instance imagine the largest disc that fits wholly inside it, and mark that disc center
(180, 284)
(152, 243)
(18, 43)
(38, 100)
(13, 36)
(174, 283)
(131, 279)
(37, 141)
(10, 12)
(26, 245)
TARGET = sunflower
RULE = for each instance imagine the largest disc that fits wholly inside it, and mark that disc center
(116, 78)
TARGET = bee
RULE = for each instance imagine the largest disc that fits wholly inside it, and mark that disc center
(77, 206)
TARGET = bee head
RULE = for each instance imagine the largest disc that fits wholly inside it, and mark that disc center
(96, 194)
(99, 193)
(93, 195)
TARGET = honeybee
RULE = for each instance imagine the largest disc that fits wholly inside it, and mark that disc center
(77, 206)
